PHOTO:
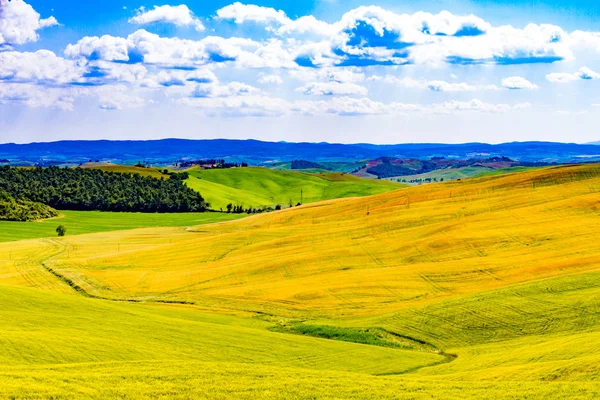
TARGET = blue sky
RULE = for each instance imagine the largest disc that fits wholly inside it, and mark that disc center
(321, 70)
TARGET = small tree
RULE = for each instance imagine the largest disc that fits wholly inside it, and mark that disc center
(229, 207)
(61, 230)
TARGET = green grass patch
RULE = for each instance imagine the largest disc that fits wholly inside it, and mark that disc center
(255, 187)
(81, 222)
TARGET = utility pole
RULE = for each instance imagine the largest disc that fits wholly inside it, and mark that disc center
(301, 197)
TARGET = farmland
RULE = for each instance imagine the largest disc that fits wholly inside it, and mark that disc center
(81, 222)
(483, 288)
(253, 187)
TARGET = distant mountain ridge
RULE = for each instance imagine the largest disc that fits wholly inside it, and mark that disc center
(259, 152)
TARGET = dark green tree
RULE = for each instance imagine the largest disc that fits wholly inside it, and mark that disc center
(61, 230)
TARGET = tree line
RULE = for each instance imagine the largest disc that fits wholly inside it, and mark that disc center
(211, 164)
(93, 189)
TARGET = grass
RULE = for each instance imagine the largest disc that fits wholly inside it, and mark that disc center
(81, 222)
(255, 187)
(484, 288)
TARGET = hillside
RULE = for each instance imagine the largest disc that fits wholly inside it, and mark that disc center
(253, 187)
(23, 210)
(483, 288)
(99, 190)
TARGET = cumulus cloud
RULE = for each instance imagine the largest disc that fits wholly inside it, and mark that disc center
(517, 83)
(375, 36)
(332, 89)
(177, 15)
(107, 48)
(433, 85)
(363, 37)
(19, 22)
(241, 13)
(143, 46)
(42, 66)
(564, 77)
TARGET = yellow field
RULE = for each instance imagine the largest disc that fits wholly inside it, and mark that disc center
(483, 288)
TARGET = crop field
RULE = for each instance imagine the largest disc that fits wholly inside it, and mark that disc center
(254, 187)
(483, 288)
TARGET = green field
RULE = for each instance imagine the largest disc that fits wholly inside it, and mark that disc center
(254, 187)
(80, 222)
(485, 288)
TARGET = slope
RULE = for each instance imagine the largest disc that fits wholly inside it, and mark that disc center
(254, 187)
(362, 256)
(501, 271)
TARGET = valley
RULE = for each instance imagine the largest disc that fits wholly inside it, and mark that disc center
(446, 290)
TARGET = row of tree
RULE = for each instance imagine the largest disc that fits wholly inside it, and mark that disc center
(211, 164)
(93, 189)
(239, 209)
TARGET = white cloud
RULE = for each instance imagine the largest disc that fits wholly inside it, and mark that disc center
(19, 22)
(239, 106)
(270, 79)
(517, 83)
(173, 77)
(333, 89)
(241, 13)
(261, 105)
(178, 15)
(118, 100)
(154, 49)
(564, 77)
(433, 85)
(373, 35)
(43, 66)
(107, 47)
(36, 96)
(338, 74)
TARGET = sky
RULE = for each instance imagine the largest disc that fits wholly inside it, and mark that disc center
(344, 71)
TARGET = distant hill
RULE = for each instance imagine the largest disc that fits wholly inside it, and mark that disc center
(303, 164)
(169, 151)
(387, 167)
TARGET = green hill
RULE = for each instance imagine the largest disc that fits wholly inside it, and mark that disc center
(23, 210)
(254, 187)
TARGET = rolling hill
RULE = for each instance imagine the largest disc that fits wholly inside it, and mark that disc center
(483, 288)
(254, 186)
